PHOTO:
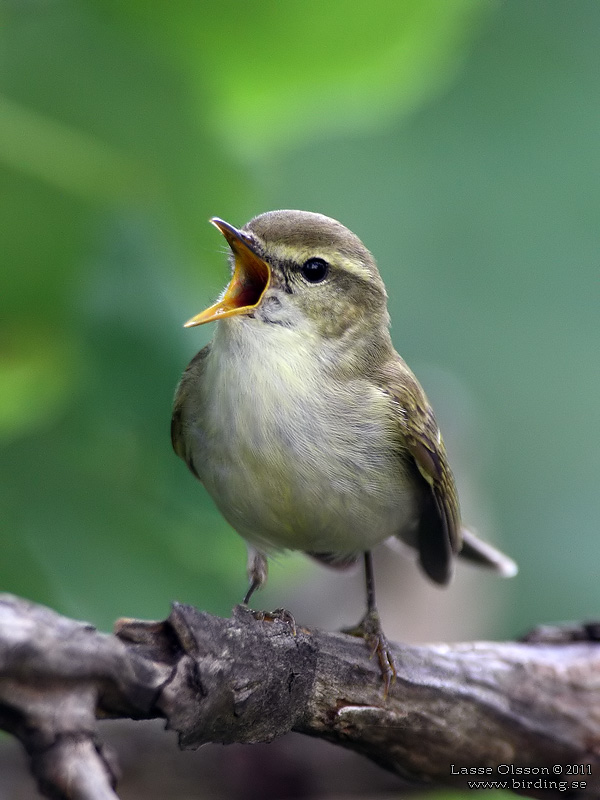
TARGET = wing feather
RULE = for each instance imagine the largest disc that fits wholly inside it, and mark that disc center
(193, 374)
(439, 531)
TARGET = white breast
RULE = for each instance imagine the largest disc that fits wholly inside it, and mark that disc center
(292, 460)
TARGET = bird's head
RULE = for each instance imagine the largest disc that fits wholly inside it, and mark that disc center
(302, 270)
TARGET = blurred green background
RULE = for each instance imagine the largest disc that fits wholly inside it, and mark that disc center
(458, 138)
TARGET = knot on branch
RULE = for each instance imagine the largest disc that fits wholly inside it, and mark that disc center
(235, 680)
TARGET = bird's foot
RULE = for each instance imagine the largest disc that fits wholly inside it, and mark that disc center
(369, 629)
(278, 615)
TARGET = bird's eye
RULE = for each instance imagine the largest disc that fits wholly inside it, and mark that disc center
(314, 270)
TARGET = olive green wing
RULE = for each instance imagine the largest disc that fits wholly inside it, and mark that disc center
(439, 533)
(183, 404)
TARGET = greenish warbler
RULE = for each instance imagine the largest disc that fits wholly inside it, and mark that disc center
(305, 425)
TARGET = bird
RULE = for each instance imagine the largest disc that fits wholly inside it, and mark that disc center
(307, 428)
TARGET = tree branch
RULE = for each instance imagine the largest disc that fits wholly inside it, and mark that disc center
(494, 706)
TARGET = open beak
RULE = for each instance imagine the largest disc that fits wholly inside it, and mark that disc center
(251, 279)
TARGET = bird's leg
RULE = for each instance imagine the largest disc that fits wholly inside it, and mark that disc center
(369, 628)
(258, 570)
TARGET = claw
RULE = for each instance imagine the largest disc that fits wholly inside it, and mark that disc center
(369, 629)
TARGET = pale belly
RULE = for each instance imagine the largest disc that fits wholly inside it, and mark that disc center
(302, 470)
(308, 498)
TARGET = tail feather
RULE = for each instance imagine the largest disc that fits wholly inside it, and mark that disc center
(483, 554)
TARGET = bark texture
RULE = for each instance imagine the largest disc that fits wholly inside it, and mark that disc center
(531, 705)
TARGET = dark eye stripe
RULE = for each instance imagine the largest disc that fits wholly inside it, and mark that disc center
(286, 281)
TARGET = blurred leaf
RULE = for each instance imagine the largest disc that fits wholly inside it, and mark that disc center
(66, 158)
(277, 73)
(93, 112)
(44, 236)
(36, 380)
